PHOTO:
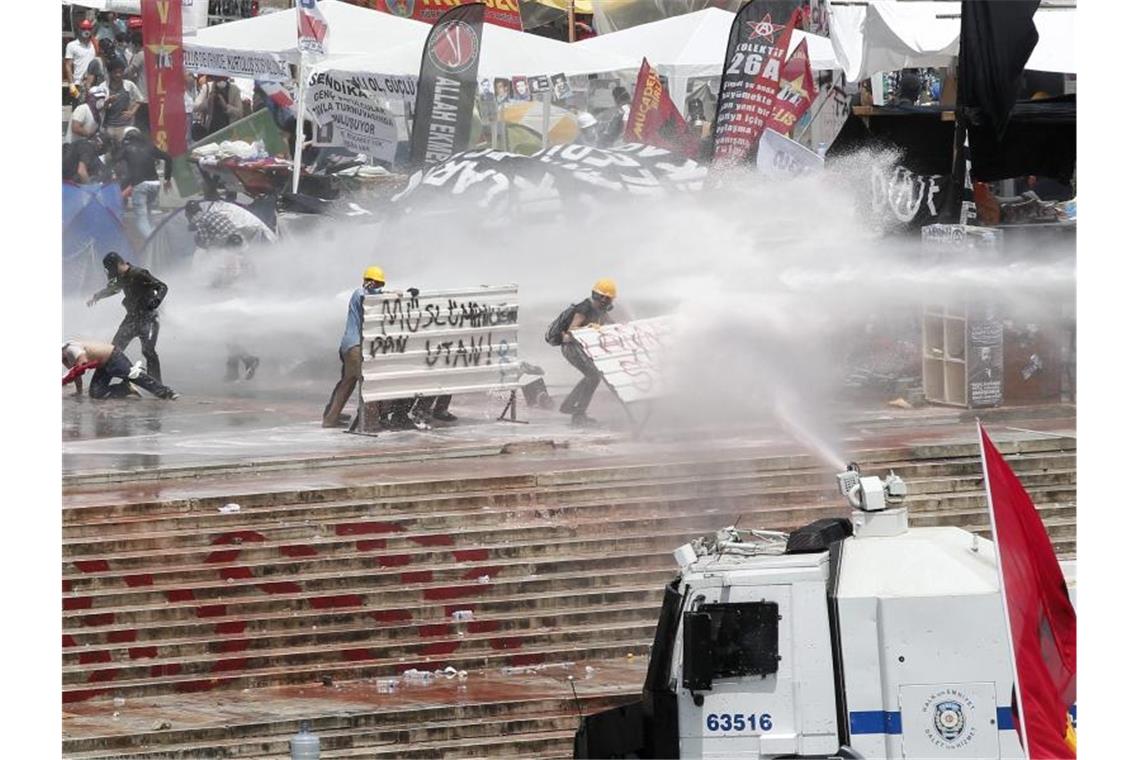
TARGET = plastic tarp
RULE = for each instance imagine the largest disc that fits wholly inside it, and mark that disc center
(691, 45)
(92, 228)
(886, 35)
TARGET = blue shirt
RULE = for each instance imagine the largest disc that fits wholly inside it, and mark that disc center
(355, 321)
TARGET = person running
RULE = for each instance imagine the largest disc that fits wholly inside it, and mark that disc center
(142, 295)
(592, 312)
(110, 364)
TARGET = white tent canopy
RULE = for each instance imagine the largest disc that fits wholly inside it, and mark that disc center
(505, 53)
(691, 45)
(352, 30)
(361, 39)
(885, 35)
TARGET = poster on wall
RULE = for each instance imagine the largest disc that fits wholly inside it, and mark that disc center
(984, 358)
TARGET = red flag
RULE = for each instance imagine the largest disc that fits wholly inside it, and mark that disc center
(655, 120)
(162, 44)
(1041, 619)
(796, 93)
(312, 29)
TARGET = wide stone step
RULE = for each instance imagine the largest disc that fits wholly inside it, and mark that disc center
(436, 513)
(408, 728)
(404, 535)
(901, 459)
(595, 642)
(363, 631)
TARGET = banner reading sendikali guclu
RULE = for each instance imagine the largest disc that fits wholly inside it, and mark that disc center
(445, 96)
(751, 78)
(162, 44)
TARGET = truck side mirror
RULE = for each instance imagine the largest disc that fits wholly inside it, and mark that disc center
(697, 656)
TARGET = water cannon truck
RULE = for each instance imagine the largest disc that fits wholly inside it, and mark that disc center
(847, 638)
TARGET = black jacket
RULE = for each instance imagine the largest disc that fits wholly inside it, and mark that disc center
(138, 157)
(142, 291)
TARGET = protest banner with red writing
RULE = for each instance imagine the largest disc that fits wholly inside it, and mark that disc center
(655, 120)
(499, 12)
(750, 82)
(162, 44)
(797, 91)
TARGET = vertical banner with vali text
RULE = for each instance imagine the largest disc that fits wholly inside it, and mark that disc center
(162, 43)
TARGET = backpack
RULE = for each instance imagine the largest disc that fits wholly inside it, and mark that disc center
(559, 325)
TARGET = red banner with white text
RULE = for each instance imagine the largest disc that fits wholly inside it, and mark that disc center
(655, 120)
(1042, 622)
(162, 45)
(499, 12)
(796, 93)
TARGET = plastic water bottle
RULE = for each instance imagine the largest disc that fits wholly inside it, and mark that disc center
(305, 745)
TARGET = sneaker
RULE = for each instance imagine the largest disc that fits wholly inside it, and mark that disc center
(251, 367)
(136, 370)
(173, 395)
(581, 420)
(445, 416)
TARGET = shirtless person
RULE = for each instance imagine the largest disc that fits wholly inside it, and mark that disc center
(109, 363)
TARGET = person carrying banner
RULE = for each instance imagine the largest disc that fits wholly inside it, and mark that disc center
(142, 295)
(350, 352)
(109, 363)
(592, 312)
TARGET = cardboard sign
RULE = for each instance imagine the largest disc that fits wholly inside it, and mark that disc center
(781, 157)
(629, 355)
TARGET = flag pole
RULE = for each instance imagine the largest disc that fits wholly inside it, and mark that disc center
(1001, 593)
(299, 133)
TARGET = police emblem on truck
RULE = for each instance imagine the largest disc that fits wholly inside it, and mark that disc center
(949, 716)
(949, 720)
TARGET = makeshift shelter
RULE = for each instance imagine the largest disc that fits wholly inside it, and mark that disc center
(886, 35)
(690, 45)
(92, 228)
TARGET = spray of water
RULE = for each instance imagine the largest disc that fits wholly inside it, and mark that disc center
(776, 289)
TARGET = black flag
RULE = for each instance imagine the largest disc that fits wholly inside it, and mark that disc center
(996, 41)
(757, 42)
(445, 98)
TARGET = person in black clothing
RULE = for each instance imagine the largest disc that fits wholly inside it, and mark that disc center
(136, 171)
(142, 294)
(594, 311)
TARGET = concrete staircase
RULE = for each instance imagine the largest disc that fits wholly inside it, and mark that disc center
(173, 601)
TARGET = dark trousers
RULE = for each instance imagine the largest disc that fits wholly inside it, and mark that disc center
(119, 367)
(429, 405)
(351, 364)
(579, 398)
(144, 326)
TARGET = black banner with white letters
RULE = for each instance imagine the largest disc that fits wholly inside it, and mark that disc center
(445, 97)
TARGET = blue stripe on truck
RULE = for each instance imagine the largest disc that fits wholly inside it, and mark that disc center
(886, 722)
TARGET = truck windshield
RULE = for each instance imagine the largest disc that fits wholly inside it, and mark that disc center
(744, 638)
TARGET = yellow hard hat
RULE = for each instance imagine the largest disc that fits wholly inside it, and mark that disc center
(374, 273)
(606, 287)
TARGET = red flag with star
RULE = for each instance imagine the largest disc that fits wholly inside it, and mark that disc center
(797, 91)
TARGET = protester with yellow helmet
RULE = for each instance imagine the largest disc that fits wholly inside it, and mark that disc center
(351, 356)
(593, 312)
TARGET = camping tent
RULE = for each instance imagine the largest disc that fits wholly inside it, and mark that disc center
(690, 45)
(885, 35)
(92, 228)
